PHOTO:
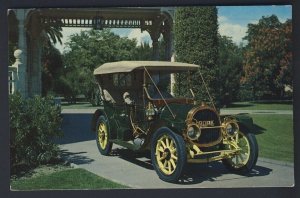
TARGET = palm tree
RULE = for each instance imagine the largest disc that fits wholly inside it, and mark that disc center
(53, 31)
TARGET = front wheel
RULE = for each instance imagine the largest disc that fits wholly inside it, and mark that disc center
(168, 154)
(103, 136)
(246, 158)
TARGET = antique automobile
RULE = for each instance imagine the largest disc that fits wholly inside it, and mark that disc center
(139, 113)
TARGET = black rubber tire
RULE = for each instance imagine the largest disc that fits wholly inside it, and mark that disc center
(252, 157)
(180, 152)
(108, 146)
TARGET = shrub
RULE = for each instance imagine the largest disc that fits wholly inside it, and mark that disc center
(33, 124)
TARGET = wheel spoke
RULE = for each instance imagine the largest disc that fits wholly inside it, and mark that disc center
(237, 139)
(160, 157)
(161, 149)
(165, 164)
(241, 157)
(102, 126)
(167, 142)
(163, 144)
(244, 152)
(102, 135)
(172, 150)
(172, 144)
(236, 160)
(173, 163)
(169, 167)
(174, 157)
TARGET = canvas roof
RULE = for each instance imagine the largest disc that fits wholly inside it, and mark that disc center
(128, 66)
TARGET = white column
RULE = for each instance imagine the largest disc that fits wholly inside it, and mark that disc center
(17, 84)
(172, 77)
(35, 68)
(154, 32)
(22, 85)
(34, 46)
(155, 53)
(168, 38)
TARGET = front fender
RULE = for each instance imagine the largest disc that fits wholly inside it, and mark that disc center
(98, 112)
(244, 121)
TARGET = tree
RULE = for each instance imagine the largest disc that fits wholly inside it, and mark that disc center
(49, 34)
(52, 32)
(143, 52)
(92, 48)
(196, 41)
(52, 67)
(75, 82)
(268, 57)
(230, 64)
(88, 50)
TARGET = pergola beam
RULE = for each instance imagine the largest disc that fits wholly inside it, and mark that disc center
(155, 21)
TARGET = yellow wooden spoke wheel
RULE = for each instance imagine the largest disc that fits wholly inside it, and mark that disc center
(242, 157)
(168, 154)
(246, 158)
(102, 136)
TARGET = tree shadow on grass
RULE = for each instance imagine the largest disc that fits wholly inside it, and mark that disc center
(24, 170)
(288, 102)
(21, 170)
(240, 105)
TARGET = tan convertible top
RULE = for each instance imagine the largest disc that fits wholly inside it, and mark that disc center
(128, 66)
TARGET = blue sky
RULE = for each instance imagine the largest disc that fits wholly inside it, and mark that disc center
(242, 15)
(232, 20)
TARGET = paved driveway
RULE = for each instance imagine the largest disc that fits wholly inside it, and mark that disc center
(135, 170)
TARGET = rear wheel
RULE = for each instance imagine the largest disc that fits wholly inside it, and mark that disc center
(103, 136)
(168, 154)
(246, 158)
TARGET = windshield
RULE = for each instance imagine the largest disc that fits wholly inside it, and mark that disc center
(162, 84)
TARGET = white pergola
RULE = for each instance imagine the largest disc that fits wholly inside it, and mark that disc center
(25, 30)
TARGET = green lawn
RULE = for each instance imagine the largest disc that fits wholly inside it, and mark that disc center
(275, 136)
(261, 106)
(235, 105)
(66, 179)
(78, 105)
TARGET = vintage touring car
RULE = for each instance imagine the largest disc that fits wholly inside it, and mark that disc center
(139, 113)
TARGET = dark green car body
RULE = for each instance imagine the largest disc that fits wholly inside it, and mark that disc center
(120, 128)
(139, 113)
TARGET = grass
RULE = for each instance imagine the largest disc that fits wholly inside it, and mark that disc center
(237, 105)
(78, 105)
(275, 136)
(261, 106)
(65, 179)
